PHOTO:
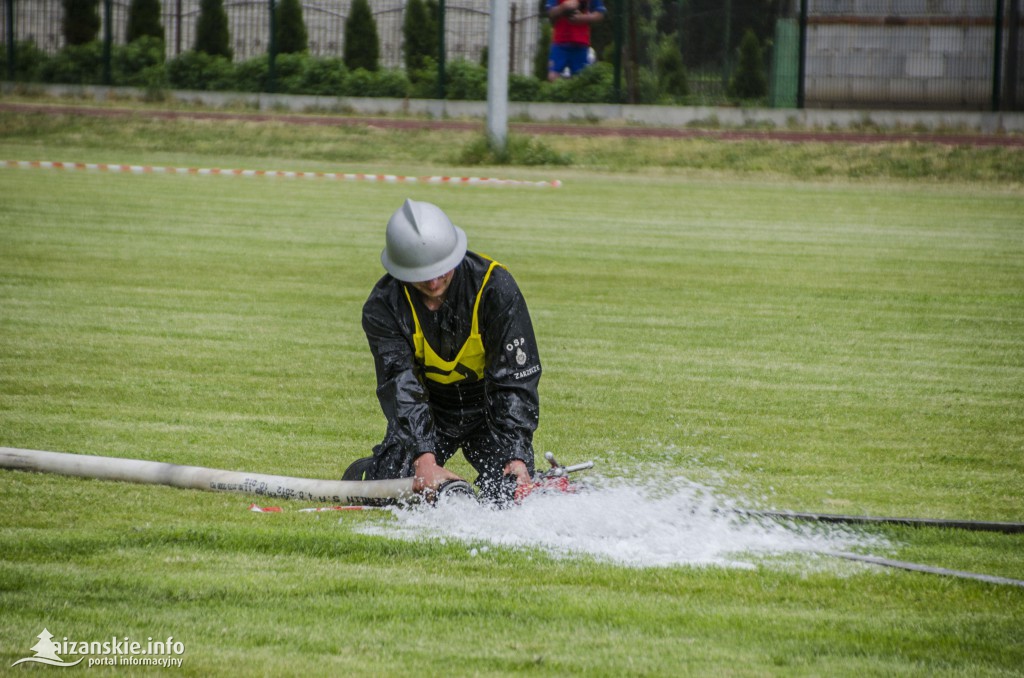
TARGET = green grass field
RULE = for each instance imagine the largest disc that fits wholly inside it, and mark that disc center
(836, 345)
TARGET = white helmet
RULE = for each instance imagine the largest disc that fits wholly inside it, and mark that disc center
(421, 243)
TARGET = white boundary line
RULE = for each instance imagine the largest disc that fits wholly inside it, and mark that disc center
(331, 176)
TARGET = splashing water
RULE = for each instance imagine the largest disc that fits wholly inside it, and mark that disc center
(651, 524)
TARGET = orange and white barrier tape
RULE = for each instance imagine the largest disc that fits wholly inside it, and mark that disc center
(280, 174)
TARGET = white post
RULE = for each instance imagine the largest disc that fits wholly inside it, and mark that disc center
(497, 76)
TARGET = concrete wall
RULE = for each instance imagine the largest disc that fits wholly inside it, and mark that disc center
(896, 53)
(653, 116)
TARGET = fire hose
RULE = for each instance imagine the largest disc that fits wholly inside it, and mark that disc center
(343, 492)
(375, 492)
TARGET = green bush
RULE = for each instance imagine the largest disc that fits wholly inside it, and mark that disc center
(212, 35)
(81, 22)
(362, 46)
(424, 81)
(465, 80)
(749, 81)
(325, 77)
(519, 150)
(139, 63)
(391, 84)
(523, 88)
(648, 90)
(144, 21)
(364, 83)
(29, 61)
(594, 84)
(292, 36)
(75, 65)
(251, 75)
(671, 71)
(290, 71)
(201, 71)
(359, 83)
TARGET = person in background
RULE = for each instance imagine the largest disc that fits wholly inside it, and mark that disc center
(570, 36)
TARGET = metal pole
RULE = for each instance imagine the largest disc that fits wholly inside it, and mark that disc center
(441, 50)
(620, 28)
(108, 39)
(801, 91)
(272, 49)
(634, 55)
(12, 53)
(497, 76)
(177, 31)
(997, 57)
(512, 39)
(727, 58)
(1012, 55)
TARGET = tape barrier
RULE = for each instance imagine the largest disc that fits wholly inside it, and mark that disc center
(276, 174)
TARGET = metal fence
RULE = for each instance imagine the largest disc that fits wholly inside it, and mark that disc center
(940, 54)
(466, 27)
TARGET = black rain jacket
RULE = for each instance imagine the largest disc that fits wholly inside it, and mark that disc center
(415, 407)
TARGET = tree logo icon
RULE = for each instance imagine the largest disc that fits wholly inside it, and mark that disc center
(46, 652)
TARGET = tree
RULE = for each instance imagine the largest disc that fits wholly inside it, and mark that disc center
(144, 20)
(749, 81)
(419, 34)
(292, 37)
(543, 52)
(668, 64)
(81, 21)
(362, 46)
(212, 35)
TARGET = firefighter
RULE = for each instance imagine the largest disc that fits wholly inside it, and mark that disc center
(456, 360)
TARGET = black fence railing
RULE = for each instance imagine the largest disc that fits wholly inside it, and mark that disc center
(956, 54)
(466, 27)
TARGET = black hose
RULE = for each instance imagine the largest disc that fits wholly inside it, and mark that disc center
(975, 525)
(928, 569)
(980, 526)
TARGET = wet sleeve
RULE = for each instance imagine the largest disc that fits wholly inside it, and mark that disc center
(403, 398)
(513, 367)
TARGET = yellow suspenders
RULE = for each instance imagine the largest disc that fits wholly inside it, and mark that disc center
(469, 363)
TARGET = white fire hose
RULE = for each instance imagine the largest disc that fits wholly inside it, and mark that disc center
(341, 492)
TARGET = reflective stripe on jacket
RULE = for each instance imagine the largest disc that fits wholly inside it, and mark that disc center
(471, 359)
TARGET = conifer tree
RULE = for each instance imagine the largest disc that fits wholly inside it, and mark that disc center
(81, 21)
(362, 46)
(212, 35)
(292, 37)
(419, 32)
(750, 80)
(671, 71)
(144, 20)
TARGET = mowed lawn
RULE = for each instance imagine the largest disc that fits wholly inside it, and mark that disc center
(831, 346)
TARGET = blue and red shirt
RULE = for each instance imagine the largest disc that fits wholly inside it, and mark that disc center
(565, 31)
